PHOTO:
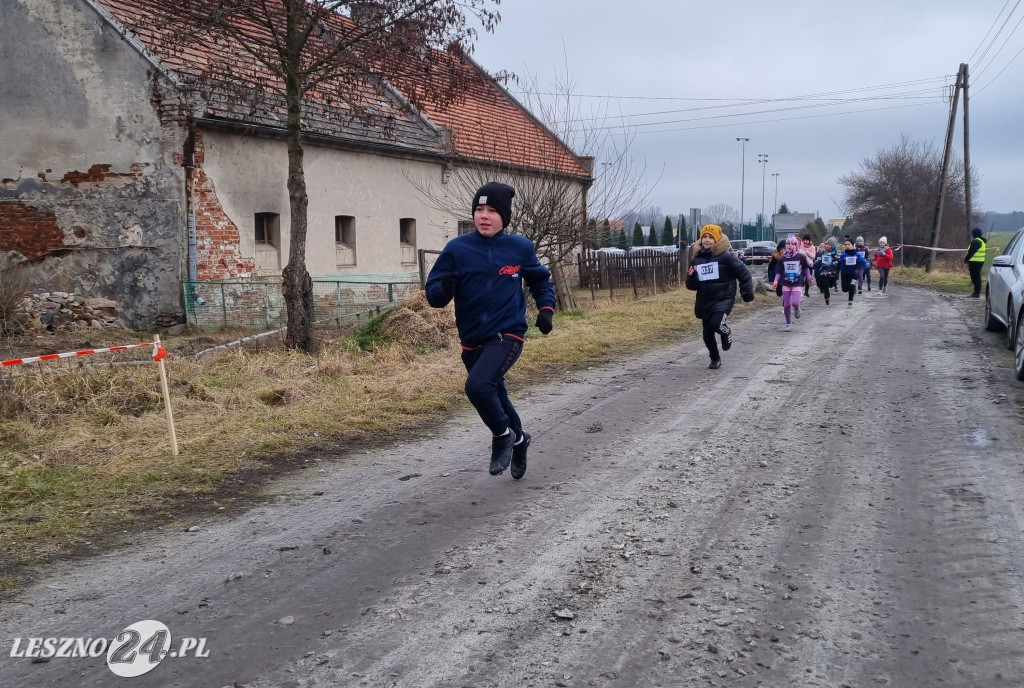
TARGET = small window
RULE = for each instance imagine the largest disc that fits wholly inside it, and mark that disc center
(268, 229)
(465, 227)
(344, 240)
(407, 239)
(345, 230)
(407, 231)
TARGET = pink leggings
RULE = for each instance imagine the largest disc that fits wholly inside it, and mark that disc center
(790, 300)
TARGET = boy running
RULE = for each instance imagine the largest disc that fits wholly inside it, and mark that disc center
(484, 271)
(851, 264)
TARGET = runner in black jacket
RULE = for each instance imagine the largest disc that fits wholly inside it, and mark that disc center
(713, 273)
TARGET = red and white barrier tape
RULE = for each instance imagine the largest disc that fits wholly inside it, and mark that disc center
(159, 353)
(929, 248)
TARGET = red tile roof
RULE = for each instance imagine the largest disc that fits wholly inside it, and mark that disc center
(486, 122)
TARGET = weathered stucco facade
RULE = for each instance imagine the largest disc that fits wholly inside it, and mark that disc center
(89, 191)
(371, 189)
(117, 181)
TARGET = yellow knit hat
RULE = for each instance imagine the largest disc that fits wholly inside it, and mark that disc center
(714, 230)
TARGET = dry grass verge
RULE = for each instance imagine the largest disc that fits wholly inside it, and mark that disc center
(84, 453)
(945, 278)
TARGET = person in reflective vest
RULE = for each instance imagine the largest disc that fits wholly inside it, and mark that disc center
(975, 260)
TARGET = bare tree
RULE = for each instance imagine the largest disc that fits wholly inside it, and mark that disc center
(551, 208)
(906, 174)
(307, 57)
(719, 214)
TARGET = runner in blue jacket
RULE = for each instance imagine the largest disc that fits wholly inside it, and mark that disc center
(484, 271)
(851, 265)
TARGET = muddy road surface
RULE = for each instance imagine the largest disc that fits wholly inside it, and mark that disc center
(839, 505)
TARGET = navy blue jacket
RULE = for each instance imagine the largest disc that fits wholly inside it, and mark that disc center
(847, 267)
(489, 299)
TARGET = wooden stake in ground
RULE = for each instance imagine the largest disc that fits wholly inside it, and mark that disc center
(160, 354)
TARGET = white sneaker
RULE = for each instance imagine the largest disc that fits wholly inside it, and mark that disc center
(788, 327)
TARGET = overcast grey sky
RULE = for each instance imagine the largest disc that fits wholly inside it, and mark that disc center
(720, 53)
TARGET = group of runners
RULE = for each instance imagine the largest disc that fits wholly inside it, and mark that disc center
(798, 263)
(714, 272)
(484, 271)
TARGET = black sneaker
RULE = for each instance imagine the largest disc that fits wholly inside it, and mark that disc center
(726, 340)
(716, 364)
(501, 452)
(519, 457)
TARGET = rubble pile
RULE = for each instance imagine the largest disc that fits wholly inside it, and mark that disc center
(59, 310)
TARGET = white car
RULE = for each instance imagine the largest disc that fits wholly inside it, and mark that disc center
(1004, 294)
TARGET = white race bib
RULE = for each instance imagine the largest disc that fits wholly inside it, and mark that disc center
(826, 260)
(707, 271)
(791, 266)
(851, 260)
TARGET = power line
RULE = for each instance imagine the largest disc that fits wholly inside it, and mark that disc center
(1000, 72)
(943, 79)
(918, 94)
(995, 37)
(636, 126)
(996, 54)
(971, 58)
(780, 119)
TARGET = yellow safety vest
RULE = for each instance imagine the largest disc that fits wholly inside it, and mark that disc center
(979, 255)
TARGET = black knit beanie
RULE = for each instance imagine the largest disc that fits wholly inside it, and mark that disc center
(498, 196)
(976, 232)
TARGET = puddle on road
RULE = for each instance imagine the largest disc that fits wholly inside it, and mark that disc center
(978, 438)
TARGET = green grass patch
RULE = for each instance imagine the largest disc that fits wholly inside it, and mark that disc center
(369, 335)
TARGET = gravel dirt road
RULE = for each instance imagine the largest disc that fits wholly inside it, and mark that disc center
(840, 505)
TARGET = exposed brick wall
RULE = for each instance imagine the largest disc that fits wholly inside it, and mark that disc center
(218, 254)
(100, 175)
(27, 230)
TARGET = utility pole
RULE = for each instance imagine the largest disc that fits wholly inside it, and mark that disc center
(937, 218)
(743, 177)
(967, 157)
(775, 208)
(901, 234)
(762, 158)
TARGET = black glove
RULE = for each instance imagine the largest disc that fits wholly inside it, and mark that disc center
(449, 283)
(544, 320)
(748, 296)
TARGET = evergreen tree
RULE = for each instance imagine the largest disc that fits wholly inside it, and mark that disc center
(652, 237)
(621, 243)
(592, 231)
(638, 235)
(605, 234)
(682, 228)
(667, 238)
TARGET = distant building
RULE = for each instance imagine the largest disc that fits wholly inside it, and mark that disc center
(791, 223)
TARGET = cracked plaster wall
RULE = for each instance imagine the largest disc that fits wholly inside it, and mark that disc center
(92, 194)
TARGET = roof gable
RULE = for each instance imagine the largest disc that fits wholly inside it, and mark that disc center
(485, 122)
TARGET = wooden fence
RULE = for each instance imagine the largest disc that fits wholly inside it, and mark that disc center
(648, 271)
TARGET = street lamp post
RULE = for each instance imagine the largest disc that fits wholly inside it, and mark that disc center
(762, 159)
(743, 175)
(775, 209)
